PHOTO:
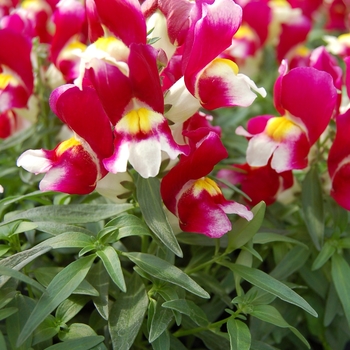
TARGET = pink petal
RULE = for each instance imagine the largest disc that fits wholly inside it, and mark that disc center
(130, 25)
(309, 94)
(82, 111)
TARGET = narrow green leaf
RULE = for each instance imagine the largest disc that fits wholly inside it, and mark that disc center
(269, 237)
(46, 330)
(70, 307)
(239, 334)
(270, 314)
(128, 225)
(98, 277)
(293, 260)
(72, 213)
(162, 342)
(165, 271)
(76, 330)
(6, 312)
(324, 255)
(243, 231)
(85, 343)
(340, 274)
(56, 228)
(17, 227)
(271, 285)
(68, 240)
(127, 314)
(189, 308)
(312, 204)
(4, 270)
(112, 264)
(19, 260)
(148, 196)
(60, 288)
(333, 306)
(160, 322)
(2, 342)
(15, 323)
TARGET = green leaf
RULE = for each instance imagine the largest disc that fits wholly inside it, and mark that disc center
(111, 262)
(46, 330)
(148, 196)
(312, 204)
(19, 260)
(269, 237)
(189, 308)
(162, 342)
(76, 331)
(160, 321)
(98, 277)
(68, 240)
(6, 312)
(15, 323)
(165, 271)
(21, 277)
(243, 231)
(56, 228)
(324, 255)
(293, 260)
(60, 288)
(72, 213)
(271, 285)
(270, 314)
(333, 306)
(340, 274)
(127, 314)
(85, 343)
(128, 225)
(70, 307)
(2, 342)
(16, 227)
(239, 334)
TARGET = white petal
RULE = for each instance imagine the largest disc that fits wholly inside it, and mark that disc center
(118, 163)
(145, 157)
(183, 103)
(260, 149)
(34, 161)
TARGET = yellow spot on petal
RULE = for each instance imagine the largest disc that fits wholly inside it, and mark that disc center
(104, 43)
(344, 38)
(206, 184)
(219, 62)
(302, 51)
(75, 45)
(139, 120)
(244, 32)
(277, 128)
(5, 79)
(65, 145)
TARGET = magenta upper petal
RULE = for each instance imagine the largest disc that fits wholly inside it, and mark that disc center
(217, 23)
(15, 54)
(202, 215)
(112, 86)
(309, 94)
(82, 112)
(197, 164)
(124, 19)
(144, 76)
(69, 19)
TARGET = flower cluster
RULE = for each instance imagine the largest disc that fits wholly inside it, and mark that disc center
(132, 81)
(135, 83)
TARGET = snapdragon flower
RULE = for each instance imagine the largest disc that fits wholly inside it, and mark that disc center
(306, 99)
(196, 199)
